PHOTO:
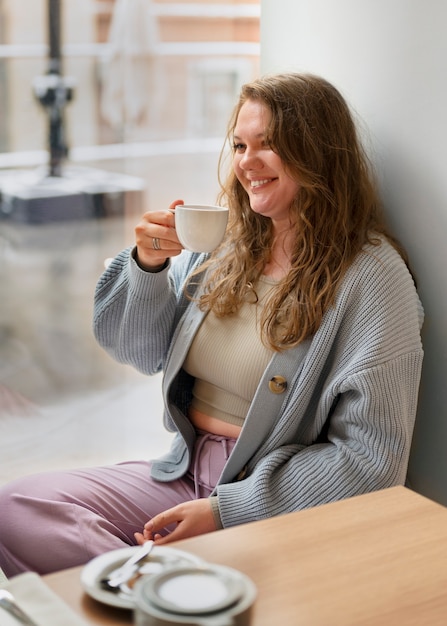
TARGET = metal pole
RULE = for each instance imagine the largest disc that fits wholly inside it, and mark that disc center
(54, 36)
(56, 139)
(54, 91)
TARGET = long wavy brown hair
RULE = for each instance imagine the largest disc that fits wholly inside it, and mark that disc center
(335, 213)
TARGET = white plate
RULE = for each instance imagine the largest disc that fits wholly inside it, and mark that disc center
(96, 569)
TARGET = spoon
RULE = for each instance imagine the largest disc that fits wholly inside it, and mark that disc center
(7, 602)
(118, 576)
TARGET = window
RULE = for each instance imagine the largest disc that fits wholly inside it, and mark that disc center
(144, 126)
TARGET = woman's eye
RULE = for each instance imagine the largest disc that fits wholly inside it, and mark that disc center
(238, 147)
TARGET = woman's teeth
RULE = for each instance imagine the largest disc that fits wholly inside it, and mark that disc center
(257, 183)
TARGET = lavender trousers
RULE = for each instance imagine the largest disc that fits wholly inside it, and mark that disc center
(55, 520)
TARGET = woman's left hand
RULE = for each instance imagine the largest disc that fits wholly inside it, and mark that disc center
(191, 519)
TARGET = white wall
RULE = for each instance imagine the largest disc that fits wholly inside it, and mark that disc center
(389, 59)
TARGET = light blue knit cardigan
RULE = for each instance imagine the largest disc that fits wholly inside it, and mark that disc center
(343, 425)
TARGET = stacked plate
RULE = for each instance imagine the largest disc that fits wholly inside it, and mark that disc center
(174, 587)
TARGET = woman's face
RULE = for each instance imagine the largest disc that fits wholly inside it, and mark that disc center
(258, 168)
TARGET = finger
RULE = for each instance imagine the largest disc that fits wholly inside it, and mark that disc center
(164, 246)
(156, 241)
(163, 540)
(139, 538)
(158, 226)
(156, 523)
(176, 534)
(153, 219)
(175, 203)
(164, 521)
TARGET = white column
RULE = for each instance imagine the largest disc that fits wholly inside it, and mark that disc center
(389, 58)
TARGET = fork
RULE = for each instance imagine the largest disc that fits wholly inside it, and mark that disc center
(118, 576)
(9, 604)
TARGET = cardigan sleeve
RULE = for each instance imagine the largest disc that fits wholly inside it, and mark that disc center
(136, 312)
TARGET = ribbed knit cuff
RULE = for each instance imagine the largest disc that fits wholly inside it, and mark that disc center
(214, 500)
(155, 270)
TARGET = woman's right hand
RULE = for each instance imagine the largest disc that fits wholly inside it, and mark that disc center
(156, 238)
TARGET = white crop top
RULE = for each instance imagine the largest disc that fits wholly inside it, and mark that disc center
(227, 359)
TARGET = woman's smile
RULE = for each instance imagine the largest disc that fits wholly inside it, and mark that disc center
(258, 183)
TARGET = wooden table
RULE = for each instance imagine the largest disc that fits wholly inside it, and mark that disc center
(376, 559)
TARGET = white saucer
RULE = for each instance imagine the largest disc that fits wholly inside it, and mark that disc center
(160, 558)
(193, 590)
(232, 605)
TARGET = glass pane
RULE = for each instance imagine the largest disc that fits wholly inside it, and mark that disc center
(140, 100)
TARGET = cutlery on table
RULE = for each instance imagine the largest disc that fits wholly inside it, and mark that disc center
(9, 604)
(124, 572)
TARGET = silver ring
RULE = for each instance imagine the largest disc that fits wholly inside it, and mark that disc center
(156, 243)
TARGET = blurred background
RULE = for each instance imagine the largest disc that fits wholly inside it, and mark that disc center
(108, 108)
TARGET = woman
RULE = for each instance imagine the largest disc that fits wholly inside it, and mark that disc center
(291, 356)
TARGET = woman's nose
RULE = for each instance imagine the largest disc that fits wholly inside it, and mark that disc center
(250, 159)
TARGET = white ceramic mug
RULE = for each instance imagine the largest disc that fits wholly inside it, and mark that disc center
(200, 227)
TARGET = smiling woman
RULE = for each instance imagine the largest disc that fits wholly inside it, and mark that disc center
(290, 374)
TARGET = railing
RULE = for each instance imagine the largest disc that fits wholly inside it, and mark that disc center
(169, 48)
(188, 10)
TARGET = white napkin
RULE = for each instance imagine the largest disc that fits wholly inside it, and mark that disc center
(39, 602)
